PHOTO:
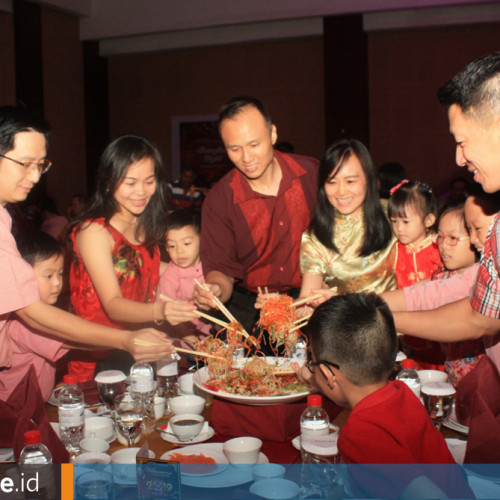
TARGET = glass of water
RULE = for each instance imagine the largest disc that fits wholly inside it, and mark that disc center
(438, 399)
(95, 485)
(129, 415)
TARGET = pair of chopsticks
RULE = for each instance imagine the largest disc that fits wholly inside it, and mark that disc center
(147, 343)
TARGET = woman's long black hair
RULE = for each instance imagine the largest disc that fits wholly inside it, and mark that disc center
(377, 229)
(114, 164)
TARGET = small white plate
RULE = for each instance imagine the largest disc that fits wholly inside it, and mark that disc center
(55, 426)
(452, 423)
(202, 436)
(296, 439)
(212, 450)
(6, 455)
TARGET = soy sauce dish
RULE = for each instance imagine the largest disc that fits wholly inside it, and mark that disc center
(186, 426)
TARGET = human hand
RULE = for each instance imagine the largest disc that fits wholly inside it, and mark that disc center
(204, 298)
(326, 294)
(262, 298)
(304, 375)
(148, 345)
(179, 311)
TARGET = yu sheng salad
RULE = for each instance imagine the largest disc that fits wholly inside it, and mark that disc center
(256, 376)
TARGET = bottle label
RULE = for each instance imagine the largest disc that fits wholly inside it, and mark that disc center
(142, 384)
(169, 370)
(71, 417)
(314, 428)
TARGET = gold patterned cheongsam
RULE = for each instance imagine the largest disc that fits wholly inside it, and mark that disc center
(346, 270)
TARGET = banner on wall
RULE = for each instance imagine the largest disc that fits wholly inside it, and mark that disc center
(196, 142)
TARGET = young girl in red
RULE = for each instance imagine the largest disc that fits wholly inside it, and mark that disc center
(412, 212)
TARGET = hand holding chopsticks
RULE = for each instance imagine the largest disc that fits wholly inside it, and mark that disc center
(147, 343)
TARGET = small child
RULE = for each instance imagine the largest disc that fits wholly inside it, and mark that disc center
(30, 347)
(177, 281)
(413, 214)
(458, 256)
(354, 347)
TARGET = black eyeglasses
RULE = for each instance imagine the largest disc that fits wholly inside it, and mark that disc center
(42, 166)
(311, 364)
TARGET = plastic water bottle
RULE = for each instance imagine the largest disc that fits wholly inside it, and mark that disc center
(318, 450)
(35, 461)
(34, 451)
(142, 383)
(71, 415)
(409, 376)
(168, 379)
(313, 422)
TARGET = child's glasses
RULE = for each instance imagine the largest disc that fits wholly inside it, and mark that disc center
(451, 240)
(311, 364)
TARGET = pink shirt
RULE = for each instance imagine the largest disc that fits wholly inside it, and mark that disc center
(437, 293)
(178, 283)
(19, 286)
(30, 347)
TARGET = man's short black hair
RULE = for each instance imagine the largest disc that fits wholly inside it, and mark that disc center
(356, 331)
(15, 119)
(237, 104)
(476, 89)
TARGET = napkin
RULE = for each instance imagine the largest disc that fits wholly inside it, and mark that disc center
(24, 411)
(478, 406)
(90, 393)
(274, 423)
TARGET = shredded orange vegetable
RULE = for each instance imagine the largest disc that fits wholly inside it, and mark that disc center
(277, 317)
(255, 378)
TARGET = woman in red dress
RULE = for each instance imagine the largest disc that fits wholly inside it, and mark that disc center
(115, 263)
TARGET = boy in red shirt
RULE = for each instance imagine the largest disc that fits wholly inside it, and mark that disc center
(354, 347)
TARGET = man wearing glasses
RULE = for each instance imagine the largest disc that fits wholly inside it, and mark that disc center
(23, 150)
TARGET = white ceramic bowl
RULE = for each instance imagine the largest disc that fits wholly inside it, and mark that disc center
(427, 376)
(127, 455)
(268, 471)
(93, 458)
(189, 403)
(242, 450)
(186, 426)
(99, 427)
(277, 489)
(96, 445)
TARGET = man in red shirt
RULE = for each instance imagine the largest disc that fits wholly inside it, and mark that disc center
(254, 217)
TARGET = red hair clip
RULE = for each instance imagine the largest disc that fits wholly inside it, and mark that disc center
(397, 186)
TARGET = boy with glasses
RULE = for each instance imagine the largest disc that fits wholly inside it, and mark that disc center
(354, 347)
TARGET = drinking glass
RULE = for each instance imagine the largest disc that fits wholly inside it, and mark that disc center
(438, 399)
(110, 383)
(129, 415)
(95, 485)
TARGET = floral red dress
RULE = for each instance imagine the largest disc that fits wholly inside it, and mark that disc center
(137, 272)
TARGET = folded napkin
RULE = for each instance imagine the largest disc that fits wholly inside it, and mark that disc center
(90, 393)
(24, 411)
(477, 405)
(274, 423)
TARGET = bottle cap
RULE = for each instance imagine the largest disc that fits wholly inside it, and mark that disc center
(438, 389)
(110, 377)
(69, 379)
(408, 363)
(325, 445)
(32, 437)
(314, 400)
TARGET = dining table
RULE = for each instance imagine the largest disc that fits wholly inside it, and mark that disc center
(280, 452)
